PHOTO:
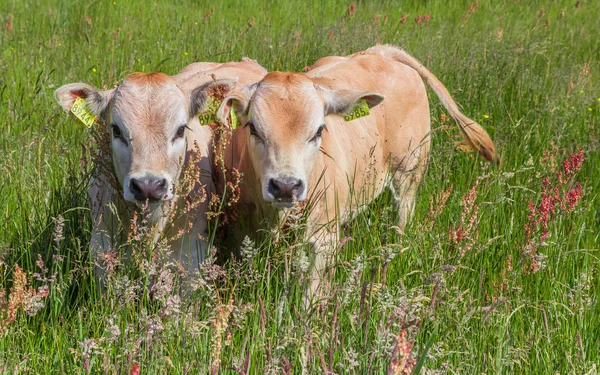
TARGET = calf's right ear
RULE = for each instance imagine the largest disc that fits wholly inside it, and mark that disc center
(95, 99)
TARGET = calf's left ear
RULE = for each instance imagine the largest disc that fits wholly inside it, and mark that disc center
(343, 101)
(210, 94)
(238, 102)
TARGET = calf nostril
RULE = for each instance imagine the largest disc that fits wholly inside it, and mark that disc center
(298, 188)
(135, 188)
(159, 190)
(274, 187)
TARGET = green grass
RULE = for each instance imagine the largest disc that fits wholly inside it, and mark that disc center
(528, 71)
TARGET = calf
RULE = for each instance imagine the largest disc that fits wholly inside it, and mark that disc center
(296, 143)
(152, 119)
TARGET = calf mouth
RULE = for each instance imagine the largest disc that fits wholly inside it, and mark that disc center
(283, 203)
(286, 202)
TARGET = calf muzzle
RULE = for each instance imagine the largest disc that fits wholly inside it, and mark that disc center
(152, 189)
(286, 189)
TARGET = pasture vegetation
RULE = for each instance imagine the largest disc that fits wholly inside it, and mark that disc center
(497, 272)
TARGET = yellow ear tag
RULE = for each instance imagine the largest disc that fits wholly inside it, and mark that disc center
(361, 110)
(234, 120)
(207, 118)
(81, 111)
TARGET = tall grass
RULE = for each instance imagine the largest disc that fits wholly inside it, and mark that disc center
(423, 299)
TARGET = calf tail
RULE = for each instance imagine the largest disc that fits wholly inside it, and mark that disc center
(473, 133)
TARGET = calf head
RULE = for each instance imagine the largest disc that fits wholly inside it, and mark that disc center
(284, 115)
(147, 116)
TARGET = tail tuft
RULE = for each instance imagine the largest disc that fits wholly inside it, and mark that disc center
(473, 133)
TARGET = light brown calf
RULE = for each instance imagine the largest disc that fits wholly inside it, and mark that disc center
(153, 122)
(295, 143)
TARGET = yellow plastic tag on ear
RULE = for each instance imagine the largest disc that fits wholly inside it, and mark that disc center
(81, 111)
(361, 110)
(207, 118)
(234, 120)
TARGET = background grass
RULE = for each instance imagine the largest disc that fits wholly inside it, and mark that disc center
(528, 71)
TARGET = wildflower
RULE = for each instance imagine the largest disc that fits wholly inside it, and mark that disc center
(112, 330)
(89, 347)
(352, 9)
(536, 229)
(153, 326)
(573, 196)
(125, 290)
(216, 343)
(465, 234)
(29, 299)
(486, 116)
(402, 362)
(172, 306)
(301, 263)
(59, 224)
(163, 285)
(34, 302)
(436, 206)
(248, 249)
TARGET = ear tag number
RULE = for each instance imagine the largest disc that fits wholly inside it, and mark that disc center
(81, 111)
(361, 110)
(207, 118)
(235, 123)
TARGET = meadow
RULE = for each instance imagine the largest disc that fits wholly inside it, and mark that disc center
(497, 273)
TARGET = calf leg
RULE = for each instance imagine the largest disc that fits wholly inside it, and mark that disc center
(104, 228)
(405, 185)
(323, 245)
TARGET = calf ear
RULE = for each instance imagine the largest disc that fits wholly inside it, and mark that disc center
(237, 101)
(200, 97)
(96, 100)
(343, 101)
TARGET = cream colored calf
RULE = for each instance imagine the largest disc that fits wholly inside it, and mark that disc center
(296, 143)
(153, 122)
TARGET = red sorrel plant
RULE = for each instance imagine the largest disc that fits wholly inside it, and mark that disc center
(227, 181)
(436, 206)
(559, 194)
(22, 296)
(464, 235)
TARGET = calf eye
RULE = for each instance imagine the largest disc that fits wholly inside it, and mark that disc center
(180, 132)
(116, 131)
(318, 134)
(253, 131)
